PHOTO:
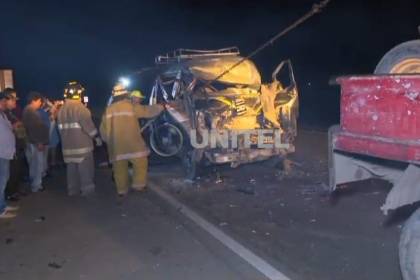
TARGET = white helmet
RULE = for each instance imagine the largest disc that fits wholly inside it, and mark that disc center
(119, 89)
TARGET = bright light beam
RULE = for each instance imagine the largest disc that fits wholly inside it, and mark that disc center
(125, 81)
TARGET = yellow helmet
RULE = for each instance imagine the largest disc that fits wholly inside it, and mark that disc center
(119, 89)
(136, 93)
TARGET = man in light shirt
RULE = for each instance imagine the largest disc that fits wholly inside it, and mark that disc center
(7, 152)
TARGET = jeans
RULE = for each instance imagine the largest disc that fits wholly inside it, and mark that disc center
(45, 162)
(4, 177)
(15, 175)
(36, 166)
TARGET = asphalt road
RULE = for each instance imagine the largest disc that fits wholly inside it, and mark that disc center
(58, 237)
(287, 219)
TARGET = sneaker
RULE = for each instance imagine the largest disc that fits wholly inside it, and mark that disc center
(47, 175)
(7, 215)
(23, 192)
(39, 189)
(13, 198)
(12, 208)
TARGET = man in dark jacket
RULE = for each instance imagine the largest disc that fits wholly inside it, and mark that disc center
(37, 137)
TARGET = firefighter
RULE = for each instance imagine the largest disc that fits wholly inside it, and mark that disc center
(77, 133)
(136, 97)
(120, 130)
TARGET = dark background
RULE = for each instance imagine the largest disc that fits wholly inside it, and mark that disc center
(48, 43)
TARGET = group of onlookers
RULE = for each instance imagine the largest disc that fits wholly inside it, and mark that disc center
(25, 139)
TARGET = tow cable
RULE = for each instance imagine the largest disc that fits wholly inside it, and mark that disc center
(316, 8)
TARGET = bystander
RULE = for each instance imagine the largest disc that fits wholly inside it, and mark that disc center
(37, 137)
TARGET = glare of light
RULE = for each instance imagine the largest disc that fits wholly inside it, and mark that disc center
(124, 81)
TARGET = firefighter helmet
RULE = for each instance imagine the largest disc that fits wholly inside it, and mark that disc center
(74, 90)
(119, 89)
(137, 93)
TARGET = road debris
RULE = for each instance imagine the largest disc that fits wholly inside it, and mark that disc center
(178, 227)
(156, 250)
(223, 224)
(40, 219)
(9, 241)
(219, 179)
(308, 191)
(246, 190)
(342, 187)
(374, 193)
(54, 265)
(188, 181)
(317, 188)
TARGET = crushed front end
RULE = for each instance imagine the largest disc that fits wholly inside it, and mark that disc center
(202, 101)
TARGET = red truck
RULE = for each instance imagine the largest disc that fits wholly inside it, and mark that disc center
(379, 137)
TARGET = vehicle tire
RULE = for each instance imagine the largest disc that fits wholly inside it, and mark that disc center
(409, 248)
(404, 58)
(170, 131)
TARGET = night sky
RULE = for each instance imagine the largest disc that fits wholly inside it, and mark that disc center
(48, 43)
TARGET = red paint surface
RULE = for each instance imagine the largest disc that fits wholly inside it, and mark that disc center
(387, 106)
(380, 116)
(400, 151)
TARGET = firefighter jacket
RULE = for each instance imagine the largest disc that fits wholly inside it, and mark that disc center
(120, 129)
(76, 130)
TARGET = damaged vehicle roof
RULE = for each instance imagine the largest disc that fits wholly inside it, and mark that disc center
(208, 67)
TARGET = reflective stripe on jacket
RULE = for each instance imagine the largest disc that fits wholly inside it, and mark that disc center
(76, 130)
(120, 129)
